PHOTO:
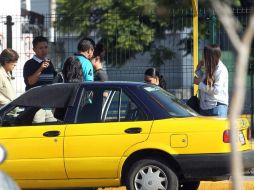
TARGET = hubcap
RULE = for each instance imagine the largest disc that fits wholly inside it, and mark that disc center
(150, 178)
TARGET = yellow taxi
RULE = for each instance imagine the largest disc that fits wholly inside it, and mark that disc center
(100, 134)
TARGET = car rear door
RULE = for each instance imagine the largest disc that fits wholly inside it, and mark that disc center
(35, 150)
(108, 122)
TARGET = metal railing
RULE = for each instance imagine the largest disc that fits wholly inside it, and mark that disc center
(177, 71)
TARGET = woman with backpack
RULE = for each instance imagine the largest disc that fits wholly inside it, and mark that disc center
(72, 70)
(212, 83)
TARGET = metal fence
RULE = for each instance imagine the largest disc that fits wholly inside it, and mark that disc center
(178, 71)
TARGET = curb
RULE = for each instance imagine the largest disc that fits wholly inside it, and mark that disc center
(206, 185)
(223, 185)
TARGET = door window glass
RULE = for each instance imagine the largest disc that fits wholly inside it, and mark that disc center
(107, 105)
(25, 116)
(122, 108)
(112, 111)
(90, 106)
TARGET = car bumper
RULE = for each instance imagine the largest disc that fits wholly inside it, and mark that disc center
(211, 166)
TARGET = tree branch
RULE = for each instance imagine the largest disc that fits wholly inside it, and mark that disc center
(228, 20)
(242, 47)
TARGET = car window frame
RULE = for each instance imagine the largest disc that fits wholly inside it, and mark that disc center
(140, 103)
(83, 89)
(160, 102)
(108, 103)
(12, 107)
(128, 93)
(135, 100)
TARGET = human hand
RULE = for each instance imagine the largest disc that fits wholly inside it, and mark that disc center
(196, 80)
(44, 64)
(200, 64)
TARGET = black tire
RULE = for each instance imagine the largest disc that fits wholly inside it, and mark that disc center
(156, 175)
(190, 185)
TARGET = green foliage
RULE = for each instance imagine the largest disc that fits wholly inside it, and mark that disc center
(160, 54)
(127, 27)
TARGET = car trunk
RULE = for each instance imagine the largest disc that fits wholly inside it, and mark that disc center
(200, 135)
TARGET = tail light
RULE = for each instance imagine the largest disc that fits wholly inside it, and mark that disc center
(248, 133)
(226, 136)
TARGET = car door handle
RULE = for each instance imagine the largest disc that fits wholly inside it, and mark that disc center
(133, 130)
(51, 133)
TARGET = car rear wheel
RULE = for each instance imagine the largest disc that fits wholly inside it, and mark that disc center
(151, 175)
(190, 185)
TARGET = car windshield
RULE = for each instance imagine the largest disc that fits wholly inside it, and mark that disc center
(174, 106)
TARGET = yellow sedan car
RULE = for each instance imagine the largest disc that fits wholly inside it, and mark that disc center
(100, 134)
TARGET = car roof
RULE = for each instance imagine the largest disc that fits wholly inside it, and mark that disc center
(115, 83)
(55, 95)
(61, 94)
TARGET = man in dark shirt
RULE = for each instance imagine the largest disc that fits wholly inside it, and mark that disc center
(98, 55)
(39, 70)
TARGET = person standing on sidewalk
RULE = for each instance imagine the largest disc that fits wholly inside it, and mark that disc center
(78, 68)
(98, 55)
(85, 53)
(39, 70)
(153, 76)
(8, 60)
(212, 83)
(72, 70)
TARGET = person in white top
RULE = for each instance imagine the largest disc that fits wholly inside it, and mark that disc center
(8, 60)
(212, 83)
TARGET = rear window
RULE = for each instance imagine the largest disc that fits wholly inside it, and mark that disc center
(174, 106)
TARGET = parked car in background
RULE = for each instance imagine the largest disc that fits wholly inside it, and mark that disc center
(6, 183)
(114, 134)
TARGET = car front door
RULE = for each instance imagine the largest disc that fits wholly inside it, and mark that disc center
(35, 150)
(108, 123)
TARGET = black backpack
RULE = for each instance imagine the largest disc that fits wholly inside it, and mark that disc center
(59, 77)
(193, 102)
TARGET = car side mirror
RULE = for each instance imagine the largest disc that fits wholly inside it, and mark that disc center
(2, 154)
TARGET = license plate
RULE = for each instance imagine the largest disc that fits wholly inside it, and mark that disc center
(241, 138)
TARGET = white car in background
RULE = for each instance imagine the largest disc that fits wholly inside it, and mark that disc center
(6, 183)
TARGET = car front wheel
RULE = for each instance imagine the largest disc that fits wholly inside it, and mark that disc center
(149, 174)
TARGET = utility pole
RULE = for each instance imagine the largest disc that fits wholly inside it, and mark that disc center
(195, 38)
(52, 12)
(9, 24)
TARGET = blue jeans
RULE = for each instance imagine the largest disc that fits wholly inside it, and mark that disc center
(221, 110)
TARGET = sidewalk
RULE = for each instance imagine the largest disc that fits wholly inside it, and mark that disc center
(223, 185)
(207, 185)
